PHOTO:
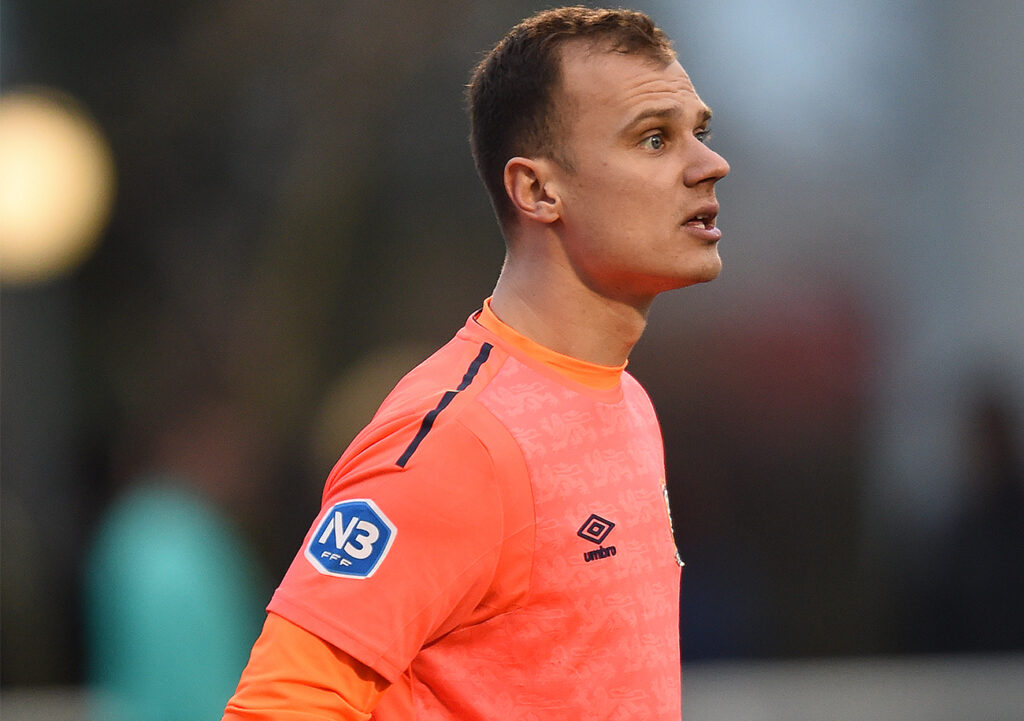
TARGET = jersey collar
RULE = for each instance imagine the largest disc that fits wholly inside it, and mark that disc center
(592, 375)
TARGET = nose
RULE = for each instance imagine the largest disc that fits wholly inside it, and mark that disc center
(706, 166)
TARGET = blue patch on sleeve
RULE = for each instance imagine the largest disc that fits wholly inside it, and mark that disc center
(351, 540)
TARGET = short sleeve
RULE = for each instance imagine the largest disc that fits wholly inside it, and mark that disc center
(398, 556)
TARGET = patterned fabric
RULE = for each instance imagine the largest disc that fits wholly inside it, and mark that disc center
(531, 573)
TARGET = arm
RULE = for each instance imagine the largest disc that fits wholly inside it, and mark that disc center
(293, 675)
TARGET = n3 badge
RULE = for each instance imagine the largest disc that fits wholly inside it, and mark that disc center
(351, 539)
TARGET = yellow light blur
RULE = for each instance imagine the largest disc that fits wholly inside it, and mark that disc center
(353, 398)
(56, 186)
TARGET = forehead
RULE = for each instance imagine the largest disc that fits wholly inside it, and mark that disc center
(599, 83)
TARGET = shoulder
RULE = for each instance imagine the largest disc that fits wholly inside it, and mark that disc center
(428, 414)
(439, 458)
(635, 393)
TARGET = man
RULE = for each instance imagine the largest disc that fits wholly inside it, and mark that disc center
(496, 543)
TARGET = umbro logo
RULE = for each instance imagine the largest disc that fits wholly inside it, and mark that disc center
(595, 529)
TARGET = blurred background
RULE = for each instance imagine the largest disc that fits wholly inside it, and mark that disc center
(227, 227)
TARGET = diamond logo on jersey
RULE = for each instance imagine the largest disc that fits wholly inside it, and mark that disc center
(595, 529)
(351, 540)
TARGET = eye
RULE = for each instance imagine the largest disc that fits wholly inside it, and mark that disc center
(703, 135)
(653, 142)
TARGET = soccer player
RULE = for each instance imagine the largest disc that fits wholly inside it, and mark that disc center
(496, 543)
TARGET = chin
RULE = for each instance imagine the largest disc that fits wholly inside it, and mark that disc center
(713, 273)
(708, 272)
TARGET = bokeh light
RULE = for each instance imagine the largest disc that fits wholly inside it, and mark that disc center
(56, 186)
(354, 396)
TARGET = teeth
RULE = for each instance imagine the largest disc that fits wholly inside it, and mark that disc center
(703, 220)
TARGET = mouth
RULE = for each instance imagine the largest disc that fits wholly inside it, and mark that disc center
(702, 223)
(704, 218)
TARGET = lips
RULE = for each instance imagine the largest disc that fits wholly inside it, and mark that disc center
(704, 217)
(702, 222)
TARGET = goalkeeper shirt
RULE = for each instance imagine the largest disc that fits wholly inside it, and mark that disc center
(496, 542)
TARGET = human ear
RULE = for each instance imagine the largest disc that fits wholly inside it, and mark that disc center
(529, 187)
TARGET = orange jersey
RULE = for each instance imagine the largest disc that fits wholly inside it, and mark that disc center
(496, 542)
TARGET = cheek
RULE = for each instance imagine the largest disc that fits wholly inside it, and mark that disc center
(608, 200)
(604, 181)
(621, 206)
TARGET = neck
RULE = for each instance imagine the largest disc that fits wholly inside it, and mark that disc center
(546, 303)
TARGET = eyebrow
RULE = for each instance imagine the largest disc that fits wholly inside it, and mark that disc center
(664, 113)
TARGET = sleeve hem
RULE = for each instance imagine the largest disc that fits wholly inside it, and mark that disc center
(310, 620)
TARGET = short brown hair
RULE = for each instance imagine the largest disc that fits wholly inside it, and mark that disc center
(511, 93)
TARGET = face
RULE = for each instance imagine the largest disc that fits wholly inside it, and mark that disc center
(638, 204)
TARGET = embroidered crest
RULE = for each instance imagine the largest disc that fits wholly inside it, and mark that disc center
(351, 540)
